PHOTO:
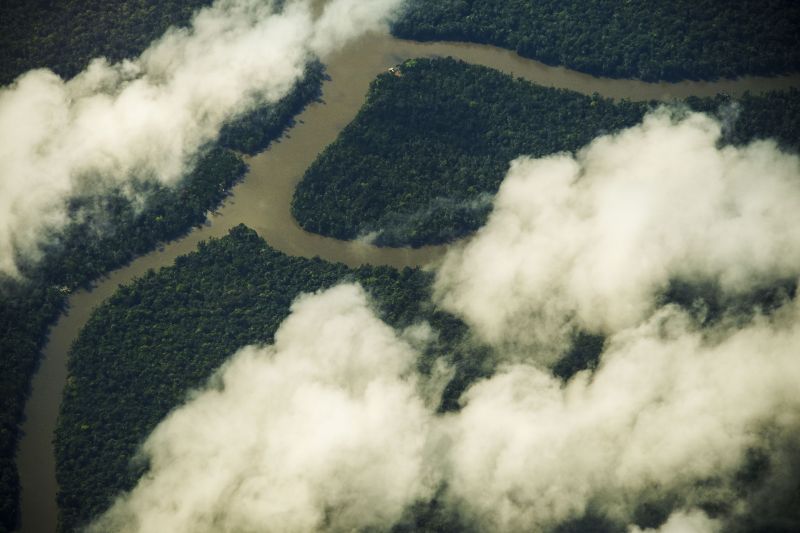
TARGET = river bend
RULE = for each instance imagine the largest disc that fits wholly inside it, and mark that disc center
(262, 201)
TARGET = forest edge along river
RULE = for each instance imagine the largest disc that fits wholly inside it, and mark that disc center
(262, 201)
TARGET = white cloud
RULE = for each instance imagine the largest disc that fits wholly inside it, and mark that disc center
(667, 410)
(589, 241)
(322, 431)
(332, 429)
(148, 117)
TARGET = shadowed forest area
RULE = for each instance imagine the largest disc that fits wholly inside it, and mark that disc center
(63, 35)
(645, 39)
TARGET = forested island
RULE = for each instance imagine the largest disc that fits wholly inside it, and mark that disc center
(645, 39)
(425, 155)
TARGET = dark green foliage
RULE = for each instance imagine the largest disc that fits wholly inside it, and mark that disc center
(23, 313)
(705, 301)
(64, 35)
(583, 354)
(110, 232)
(423, 158)
(773, 115)
(589, 523)
(434, 515)
(772, 490)
(428, 150)
(109, 235)
(648, 39)
(708, 303)
(653, 513)
(154, 340)
(267, 123)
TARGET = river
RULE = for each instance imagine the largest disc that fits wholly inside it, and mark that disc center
(262, 201)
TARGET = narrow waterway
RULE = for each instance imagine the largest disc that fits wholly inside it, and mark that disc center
(263, 202)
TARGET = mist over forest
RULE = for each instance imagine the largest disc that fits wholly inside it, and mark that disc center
(601, 332)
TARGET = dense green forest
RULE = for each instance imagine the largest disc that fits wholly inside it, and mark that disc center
(424, 156)
(63, 35)
(167, 332)
(428, 150)
(110, 232)
(647, 39)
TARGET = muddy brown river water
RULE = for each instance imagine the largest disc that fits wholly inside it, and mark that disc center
(262, 201)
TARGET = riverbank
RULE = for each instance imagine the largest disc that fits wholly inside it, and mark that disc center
(262, 201)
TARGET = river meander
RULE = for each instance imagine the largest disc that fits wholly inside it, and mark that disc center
(262, 201)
